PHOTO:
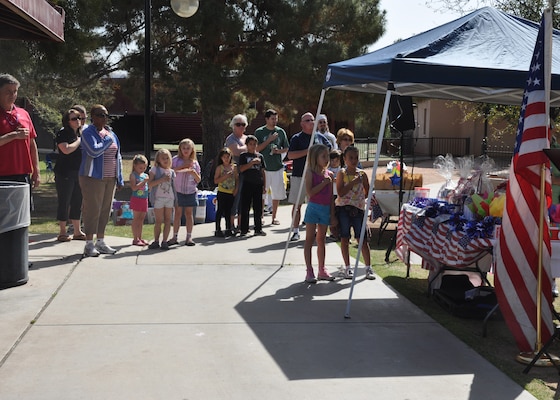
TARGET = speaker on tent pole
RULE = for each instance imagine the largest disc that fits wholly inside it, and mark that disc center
(401, 113)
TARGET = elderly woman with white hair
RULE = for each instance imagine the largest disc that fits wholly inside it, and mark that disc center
(236, 139)
(236, 143)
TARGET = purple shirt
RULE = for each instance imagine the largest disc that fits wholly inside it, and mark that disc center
(324, 197)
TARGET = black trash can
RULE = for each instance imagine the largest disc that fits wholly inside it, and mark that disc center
(15, 218)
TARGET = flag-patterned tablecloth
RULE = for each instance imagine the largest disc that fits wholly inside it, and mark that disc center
(437, 242)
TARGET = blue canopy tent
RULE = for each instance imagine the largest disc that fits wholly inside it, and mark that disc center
(481, 57)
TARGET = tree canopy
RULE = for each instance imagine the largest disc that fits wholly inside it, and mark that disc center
(220, 61)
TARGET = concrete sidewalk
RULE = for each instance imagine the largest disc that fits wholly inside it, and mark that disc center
(225, 319)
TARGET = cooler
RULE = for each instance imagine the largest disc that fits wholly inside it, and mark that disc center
(211, 207)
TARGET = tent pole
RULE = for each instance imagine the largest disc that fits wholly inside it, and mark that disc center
(302, 185)
(390, 88)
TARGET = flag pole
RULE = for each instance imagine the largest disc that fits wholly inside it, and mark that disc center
(538, 344)
(547, 84)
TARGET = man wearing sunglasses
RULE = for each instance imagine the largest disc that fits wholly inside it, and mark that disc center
(323, 127)
(19, 159)
(299, 145)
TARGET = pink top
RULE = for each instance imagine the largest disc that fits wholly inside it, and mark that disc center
(324, 197)
(184, 182)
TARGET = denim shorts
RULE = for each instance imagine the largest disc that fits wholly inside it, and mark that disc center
(347, 221)
(186, 200)
(317, 214)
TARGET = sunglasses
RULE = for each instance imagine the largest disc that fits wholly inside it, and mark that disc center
(346, 139)
(101, 115)
(240, 124)
(76, 119)
(308, 120)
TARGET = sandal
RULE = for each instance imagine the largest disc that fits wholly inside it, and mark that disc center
(79, 237)
(63, 238)
(275, 222)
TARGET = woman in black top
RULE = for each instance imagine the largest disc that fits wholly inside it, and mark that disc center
(66, 175)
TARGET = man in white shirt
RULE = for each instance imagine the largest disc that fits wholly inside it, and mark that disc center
(323, 127)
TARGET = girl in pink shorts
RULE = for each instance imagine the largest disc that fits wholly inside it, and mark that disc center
(139, 200)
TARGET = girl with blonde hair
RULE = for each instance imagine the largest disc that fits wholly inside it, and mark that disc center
(162, 196)
(187, 169)
(319, 213)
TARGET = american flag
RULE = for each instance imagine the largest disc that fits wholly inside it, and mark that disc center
(517, 253)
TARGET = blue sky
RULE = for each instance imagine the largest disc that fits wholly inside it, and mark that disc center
(406, 18)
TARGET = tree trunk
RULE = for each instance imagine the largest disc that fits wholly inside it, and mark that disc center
(212, 134)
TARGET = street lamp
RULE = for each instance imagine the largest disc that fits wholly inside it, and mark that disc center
(183, 8)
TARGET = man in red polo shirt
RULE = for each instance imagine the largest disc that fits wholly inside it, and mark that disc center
(19, 159)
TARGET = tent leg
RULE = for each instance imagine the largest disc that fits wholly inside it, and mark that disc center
(368, 201)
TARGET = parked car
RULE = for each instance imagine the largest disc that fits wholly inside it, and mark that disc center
(288, 167)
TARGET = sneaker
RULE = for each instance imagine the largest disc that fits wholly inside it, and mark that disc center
(164, 246)
(260, 233)
(295, 237)
(90, 250)
(348, 273)
(243, 233)
(154, 245)
(229, 233)
(104, 249)
(219, 234)
(310, 277)
(172, 241)
(369, 274)
(324, 275)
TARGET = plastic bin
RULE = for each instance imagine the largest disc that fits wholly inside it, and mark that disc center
(200, 211)
(211, 207)
(15, 218)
